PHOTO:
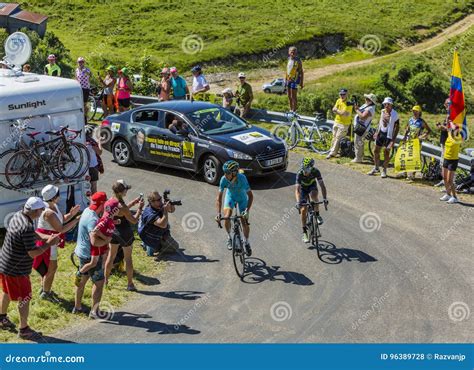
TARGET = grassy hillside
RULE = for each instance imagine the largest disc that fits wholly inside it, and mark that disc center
(123, 30)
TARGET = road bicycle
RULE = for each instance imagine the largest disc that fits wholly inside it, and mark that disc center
(238, 248)
(312, 225)
(318, 136)
(94, 104)
(369, 136)
(57, 159)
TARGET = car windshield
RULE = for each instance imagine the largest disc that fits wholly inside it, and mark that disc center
(216, 120)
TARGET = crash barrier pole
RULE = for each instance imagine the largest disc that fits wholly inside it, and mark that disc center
(263, 115)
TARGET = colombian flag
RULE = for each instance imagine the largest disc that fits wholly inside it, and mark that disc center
(457, 109)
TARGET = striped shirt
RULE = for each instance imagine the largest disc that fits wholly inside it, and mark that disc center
(20, 238)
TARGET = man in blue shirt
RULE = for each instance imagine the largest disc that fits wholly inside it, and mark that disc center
(238, 193)
(87, 224)
(179, 85)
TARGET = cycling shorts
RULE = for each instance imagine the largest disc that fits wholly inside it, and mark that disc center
(231, 203)
(293, 84)
(305, 191)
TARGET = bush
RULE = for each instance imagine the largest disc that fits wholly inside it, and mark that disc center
(428, 90)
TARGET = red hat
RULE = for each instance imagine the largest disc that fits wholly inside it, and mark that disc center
(97, 199)
(111, 205)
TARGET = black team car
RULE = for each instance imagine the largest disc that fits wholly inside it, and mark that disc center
(195, 136)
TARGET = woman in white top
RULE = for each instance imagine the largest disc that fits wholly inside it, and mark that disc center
(200, 84)
(53, 221)
(362, 120)
(385, 136)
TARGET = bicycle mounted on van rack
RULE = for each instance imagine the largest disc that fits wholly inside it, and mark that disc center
(60, 158)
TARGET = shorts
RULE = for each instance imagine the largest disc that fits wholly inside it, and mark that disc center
(450, 164)
(382, 140)
(99, 251)
(292, 84)
(17, 288)
(96, 273)
(85, 95)
(123, 236)
(94, 173)
(305, 191)
(231, 203)
(124, 102)
(53, 256)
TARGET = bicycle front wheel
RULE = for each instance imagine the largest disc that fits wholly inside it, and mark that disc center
(320, 139)
(315, 232)
(238, 255)
(290, 134)
(91, 108)
(22, 169)
(72, 161)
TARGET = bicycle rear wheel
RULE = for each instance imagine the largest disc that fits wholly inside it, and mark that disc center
(238, 255)
(290, 134)
(322, 139)
(72, 161)
(4, 158)
(22, 169)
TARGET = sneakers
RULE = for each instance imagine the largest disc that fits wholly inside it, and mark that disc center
(441, 183)
(29, 334)
(99, 315)
(229, 244)
(49, 296)
(131, 288)
(329, 156)
(248, 250)
(384, 174)
(305, 237)
(445, 198)
(355, 160)
(77, 311)
(452, 200)
(319, 219)
(6, 324)
(374, 171)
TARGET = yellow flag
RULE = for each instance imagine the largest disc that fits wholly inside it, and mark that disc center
(408, 156)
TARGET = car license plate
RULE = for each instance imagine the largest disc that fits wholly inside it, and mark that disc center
(272, 162)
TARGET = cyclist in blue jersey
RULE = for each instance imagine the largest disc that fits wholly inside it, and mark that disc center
(306, 187)
(238, 193)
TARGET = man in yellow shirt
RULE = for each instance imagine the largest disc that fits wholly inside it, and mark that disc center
(343, 111)
(452, 147)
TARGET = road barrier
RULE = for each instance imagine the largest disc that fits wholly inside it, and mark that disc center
(263, 115)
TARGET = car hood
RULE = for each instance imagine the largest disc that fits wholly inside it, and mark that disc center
(266, 85)
(251, 141)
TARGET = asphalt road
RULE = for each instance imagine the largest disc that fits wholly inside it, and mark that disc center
(396, 266)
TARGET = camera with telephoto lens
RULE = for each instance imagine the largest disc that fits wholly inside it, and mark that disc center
(353, 101)
(173, 202)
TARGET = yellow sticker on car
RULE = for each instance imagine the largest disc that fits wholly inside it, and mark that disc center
(115, 127)
(188, 149)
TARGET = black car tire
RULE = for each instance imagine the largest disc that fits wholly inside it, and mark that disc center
(104, 135)
(212, 170)
(122, 152)
(267, 91)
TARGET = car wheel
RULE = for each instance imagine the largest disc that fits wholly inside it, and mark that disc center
(212, 170)
(267, 91)
(122, 152)
(105, 135)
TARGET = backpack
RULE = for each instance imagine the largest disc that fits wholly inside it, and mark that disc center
(347, 148)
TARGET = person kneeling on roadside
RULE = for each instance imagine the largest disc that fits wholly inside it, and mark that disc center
(154, 228)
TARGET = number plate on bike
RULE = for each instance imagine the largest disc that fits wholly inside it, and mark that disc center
(272, 162)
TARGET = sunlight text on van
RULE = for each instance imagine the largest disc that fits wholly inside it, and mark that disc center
(30, 104)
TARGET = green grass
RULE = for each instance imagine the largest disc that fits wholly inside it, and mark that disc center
(50, 318)
(122, 30)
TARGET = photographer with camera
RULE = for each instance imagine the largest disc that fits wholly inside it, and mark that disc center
(343, 111)
(154, 228)
(362, 120)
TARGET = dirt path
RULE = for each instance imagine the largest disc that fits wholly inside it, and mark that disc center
(261, 76)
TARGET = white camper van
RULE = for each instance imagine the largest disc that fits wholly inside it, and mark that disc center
(43, 103)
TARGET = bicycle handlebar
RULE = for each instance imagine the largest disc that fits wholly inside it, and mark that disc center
(313, 203)
(218, 220)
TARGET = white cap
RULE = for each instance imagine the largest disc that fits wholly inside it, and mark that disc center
(49, 192)
(227, 90)
(35, 203)
(80, 59)
(388, 100)
(371, 97)
(241, 74)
